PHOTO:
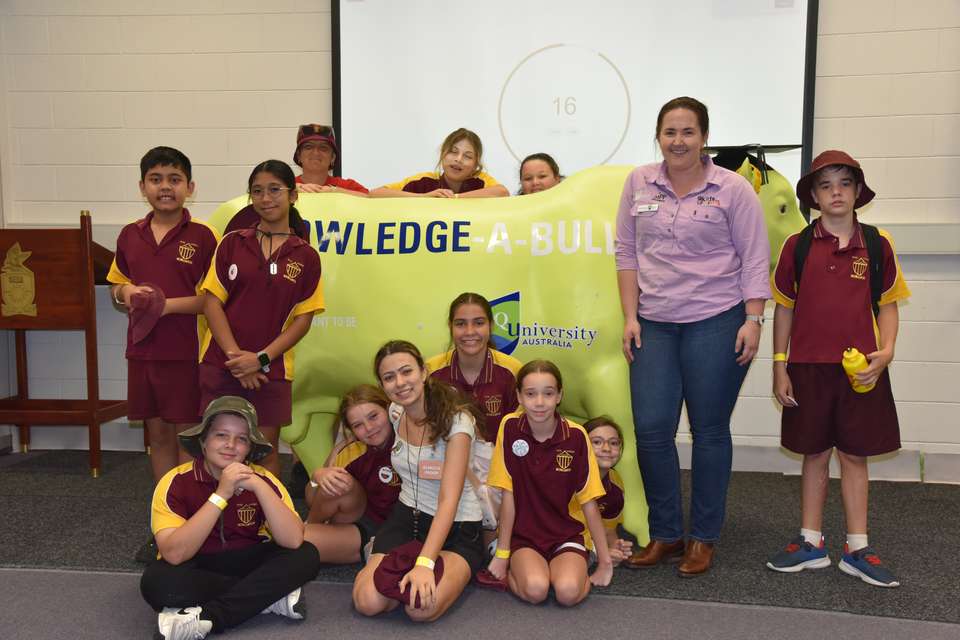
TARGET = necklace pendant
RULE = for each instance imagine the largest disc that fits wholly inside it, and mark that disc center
(273, 268)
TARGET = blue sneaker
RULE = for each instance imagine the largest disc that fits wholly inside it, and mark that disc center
(799, 555)
(865, 564)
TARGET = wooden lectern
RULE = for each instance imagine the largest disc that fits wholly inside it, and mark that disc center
(47, 284)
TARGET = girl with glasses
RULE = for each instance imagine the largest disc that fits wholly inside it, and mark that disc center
(262, 291)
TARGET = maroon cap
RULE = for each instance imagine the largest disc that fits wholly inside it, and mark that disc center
(397, 563)
(317, 132)
(145, 311)
(830, 158)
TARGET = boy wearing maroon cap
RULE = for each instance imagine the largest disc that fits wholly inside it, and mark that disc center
(164, 255)
(828, 310)
(231, 543)
(316, 154)
(550, 480)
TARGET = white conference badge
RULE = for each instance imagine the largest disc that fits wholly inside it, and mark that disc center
(232, 271)
(385, 474)
(520, 448)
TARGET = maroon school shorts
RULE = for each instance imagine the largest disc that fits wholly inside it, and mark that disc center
(831, 414)
(550, 550)
(272, 400)
(166, 389)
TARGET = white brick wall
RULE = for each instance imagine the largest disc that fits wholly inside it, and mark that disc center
(87, 87)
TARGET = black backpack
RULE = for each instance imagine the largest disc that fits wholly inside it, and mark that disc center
(871, 236)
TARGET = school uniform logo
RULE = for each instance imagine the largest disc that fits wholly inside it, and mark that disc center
(186, 251)
(387, 476)
(520, 448)
(858, 268)
(564, 460)
(293, 271)
(492, 405)
(246, 514)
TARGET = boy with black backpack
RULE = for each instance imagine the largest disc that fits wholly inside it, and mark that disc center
(836, 286)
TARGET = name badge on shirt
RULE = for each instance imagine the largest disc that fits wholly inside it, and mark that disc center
(640, 208)
(429, 469)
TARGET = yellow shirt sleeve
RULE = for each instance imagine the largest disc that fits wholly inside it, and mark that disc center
(212, 282)
(498, 475)
(162, 515)
(898, 290)
(116, 276)
(313, 304)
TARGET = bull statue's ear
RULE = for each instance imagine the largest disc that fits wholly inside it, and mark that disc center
(751, 173)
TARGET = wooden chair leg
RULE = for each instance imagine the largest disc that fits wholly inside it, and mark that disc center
(24, 430)
(95, 449)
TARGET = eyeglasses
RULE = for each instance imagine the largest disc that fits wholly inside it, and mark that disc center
(273, 191)
(613, 443)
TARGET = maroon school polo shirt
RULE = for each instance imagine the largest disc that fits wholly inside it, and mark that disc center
(371, 467)
(259, 304)
(611, 503)
(185, 489)
(834, 310)
(549, 480)
(177, 265)
(430, 181)
(494, 391)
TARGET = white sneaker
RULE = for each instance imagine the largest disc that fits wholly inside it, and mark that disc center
(289, 606)
(182, 624)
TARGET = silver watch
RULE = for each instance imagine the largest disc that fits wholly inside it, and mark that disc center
(758, 319)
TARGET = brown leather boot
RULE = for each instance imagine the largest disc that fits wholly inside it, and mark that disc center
(655, 553)
(696, 560)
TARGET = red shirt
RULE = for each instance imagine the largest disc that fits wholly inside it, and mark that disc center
(494, 391)
(260, 305)
(343, 183)
(177, 265)
(371, 467)
(549, 480)
(834, 311)
(185, 489)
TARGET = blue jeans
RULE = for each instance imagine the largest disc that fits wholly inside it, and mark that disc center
(695, 363)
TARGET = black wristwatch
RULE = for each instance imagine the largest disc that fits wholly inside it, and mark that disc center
(264, 361)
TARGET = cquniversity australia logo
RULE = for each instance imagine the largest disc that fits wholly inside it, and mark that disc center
(506, 322)
(509, 332)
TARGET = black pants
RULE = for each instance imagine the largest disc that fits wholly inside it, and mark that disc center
(232, 586)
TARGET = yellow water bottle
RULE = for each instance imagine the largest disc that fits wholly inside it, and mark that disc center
(853, 363)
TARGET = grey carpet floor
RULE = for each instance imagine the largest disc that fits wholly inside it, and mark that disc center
(107, 605)
(56, 516)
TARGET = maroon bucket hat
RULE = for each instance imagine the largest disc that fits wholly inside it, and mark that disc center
(145, 310)
(826, 159)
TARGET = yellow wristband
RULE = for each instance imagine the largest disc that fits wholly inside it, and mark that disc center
(217, 501)
(779, 357)
(502, 553)
(424, 561)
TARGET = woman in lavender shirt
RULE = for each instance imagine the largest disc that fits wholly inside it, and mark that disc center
(692, 268)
